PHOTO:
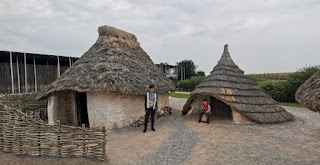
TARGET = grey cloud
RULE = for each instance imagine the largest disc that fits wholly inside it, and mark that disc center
(282, 34)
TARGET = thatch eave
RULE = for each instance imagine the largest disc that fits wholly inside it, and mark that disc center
(308, 94)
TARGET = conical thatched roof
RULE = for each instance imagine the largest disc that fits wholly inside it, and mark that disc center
(229, 84)
(308, 93)
(115, 63)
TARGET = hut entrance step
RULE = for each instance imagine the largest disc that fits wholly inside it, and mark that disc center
(82, 110)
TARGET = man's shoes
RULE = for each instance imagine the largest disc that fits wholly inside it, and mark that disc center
(144, 131)
(199, 121)
(153, 129)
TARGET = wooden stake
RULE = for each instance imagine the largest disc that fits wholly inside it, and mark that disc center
(25, 73)
(18, 74)
(58, 67)
(59, 138)
(11, 69)
(35, 74)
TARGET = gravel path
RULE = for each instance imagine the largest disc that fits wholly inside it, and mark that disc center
(177, 149)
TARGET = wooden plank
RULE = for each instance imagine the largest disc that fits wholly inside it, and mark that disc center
(35, 74)
(18, 74)
(11, 68)
(25, 73)
(70, 61)
(58, 67)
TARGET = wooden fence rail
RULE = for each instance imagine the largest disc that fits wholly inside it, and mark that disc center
(21, 134)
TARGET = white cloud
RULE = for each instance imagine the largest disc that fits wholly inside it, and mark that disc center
(283, 34)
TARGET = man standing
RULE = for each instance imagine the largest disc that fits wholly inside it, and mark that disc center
(151, 106)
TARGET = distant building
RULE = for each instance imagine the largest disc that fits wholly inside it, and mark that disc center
(171, 71)
(22, 72)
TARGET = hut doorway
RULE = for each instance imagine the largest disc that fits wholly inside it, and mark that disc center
(220, 108)
(82, 108)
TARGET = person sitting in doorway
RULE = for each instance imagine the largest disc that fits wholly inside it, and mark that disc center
(205, 110)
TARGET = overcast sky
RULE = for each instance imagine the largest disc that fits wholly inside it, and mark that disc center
(263, 35)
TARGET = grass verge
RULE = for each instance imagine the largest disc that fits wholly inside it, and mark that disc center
(180, 95)
(290, 104)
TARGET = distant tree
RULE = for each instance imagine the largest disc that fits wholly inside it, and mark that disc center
(188, 69)
(189, 84)
(201, 73)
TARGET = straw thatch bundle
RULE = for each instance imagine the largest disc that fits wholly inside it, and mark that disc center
(308, 93)
(115, 63)
(229, 84)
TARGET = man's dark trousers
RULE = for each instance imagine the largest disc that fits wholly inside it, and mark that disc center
(152, 113)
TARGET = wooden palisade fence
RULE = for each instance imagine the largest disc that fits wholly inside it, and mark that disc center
(21, 134)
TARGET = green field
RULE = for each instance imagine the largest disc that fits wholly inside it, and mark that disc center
(186, 96)
(179, 95)
(269, 76)
(289, 104)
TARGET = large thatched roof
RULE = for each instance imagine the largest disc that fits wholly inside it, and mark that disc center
(229, 84)
(115, 63)
(308, 93)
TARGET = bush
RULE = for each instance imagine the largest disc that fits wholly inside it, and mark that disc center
(284, 91)
(189, 84)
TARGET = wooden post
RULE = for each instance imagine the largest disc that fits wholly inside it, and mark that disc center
(83, 126)
(39, 136)
(69, 61)
(58, 67)
(59, 138)
(11, 69)
(184, 73)
(104, 143)
(20, 137)
(25, 73)
(35, 74)
(18, 74)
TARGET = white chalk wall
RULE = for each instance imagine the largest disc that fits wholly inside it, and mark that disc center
(62, 106)
(115, 110)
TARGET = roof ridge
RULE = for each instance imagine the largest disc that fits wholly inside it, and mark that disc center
(112, 31)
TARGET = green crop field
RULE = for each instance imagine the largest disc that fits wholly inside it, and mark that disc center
(269, 76)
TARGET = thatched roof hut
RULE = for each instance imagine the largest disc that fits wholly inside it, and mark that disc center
(115, 63)
(109, 81)
(308, 94)
(232, 93)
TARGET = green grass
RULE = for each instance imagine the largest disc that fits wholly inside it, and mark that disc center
(179, 95)
(290, 104)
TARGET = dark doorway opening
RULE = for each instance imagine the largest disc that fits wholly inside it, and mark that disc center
(82, 109)
(220, 108)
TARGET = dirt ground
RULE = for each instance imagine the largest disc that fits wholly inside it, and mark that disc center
(220, 142)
